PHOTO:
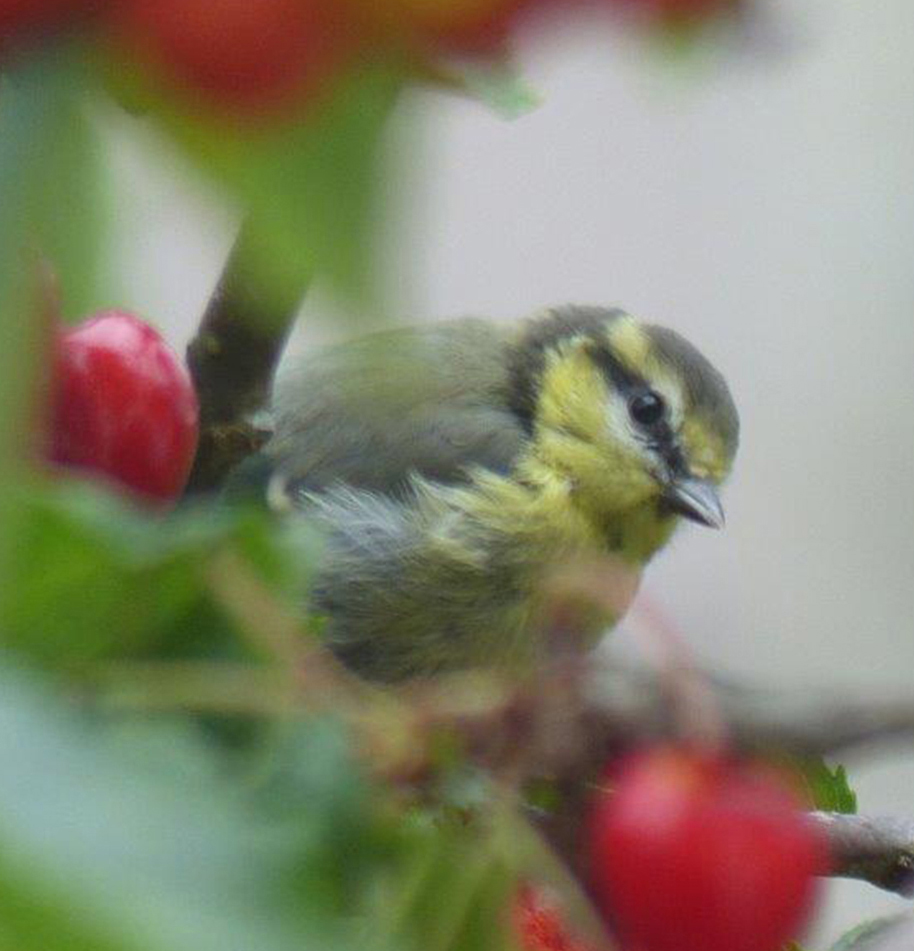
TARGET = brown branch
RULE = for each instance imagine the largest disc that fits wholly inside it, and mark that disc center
(632, 705)
(875, 849)
(232, 360)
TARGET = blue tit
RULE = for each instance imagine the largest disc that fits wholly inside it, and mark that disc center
(456, 468)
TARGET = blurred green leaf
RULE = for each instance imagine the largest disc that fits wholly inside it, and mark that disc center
(51, 176)
(113, 845)
(340, 841)
(454, 890)
(27, 123)
(499, 86)
(96, 577)
(828, 787)
(308, 186)
(75, 211)
(49, 203)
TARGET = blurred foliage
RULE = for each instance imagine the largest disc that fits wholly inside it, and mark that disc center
(128, 821)
(828, 787)
(124, 830)
(96, 578)
(129, 838)
(310, 186)
(51, 176)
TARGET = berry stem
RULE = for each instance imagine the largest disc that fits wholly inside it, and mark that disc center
(697, 716)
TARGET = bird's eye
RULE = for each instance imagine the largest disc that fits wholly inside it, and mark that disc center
(647, 408)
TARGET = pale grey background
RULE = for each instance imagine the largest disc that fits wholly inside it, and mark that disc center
(765, 207)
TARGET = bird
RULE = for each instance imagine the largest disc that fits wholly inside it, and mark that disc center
(454, 468)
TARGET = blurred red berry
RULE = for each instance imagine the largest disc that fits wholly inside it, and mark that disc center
(472, 27)
(539, 924)
(123, 406)
(251, 57)
(696, 851)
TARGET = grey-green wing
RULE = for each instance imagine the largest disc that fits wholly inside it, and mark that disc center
(372, 413)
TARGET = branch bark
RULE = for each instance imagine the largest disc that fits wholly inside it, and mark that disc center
(232, 360)
(875, 849)
(632, 703)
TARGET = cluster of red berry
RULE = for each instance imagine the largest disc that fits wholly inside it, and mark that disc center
(690, 850)
(259, 56)
(123, 407)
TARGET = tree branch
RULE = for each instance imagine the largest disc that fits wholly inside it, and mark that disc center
(875, 849)
(632, 703)
(232, 360)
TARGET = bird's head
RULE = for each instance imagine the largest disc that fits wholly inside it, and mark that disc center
(631, 414)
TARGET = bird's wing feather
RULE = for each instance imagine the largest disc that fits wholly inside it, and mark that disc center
(374, 412)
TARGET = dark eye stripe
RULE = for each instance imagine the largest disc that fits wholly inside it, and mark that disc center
(619, 376)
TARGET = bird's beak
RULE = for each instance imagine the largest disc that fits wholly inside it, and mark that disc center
(696, 499)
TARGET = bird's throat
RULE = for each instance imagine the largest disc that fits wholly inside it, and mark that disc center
(633, 533)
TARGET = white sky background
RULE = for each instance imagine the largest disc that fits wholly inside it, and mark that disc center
(765, 208)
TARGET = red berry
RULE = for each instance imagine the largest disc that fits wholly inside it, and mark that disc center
(249, 56)
(696, 851)
(124, 406)
(539, 923)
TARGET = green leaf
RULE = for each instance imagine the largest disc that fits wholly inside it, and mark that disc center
(308, 186)
(113, 845)
(27, 123)
(316, 799)
(828, 787)
(453, 889)
(75, 212)
(51, 176)
(48, 208)
(96, 578)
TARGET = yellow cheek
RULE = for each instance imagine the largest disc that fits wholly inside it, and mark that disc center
(705, 451)
(574, 437)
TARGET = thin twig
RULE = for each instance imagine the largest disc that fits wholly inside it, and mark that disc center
(190, 687)
(875, 849)
(232, 360)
